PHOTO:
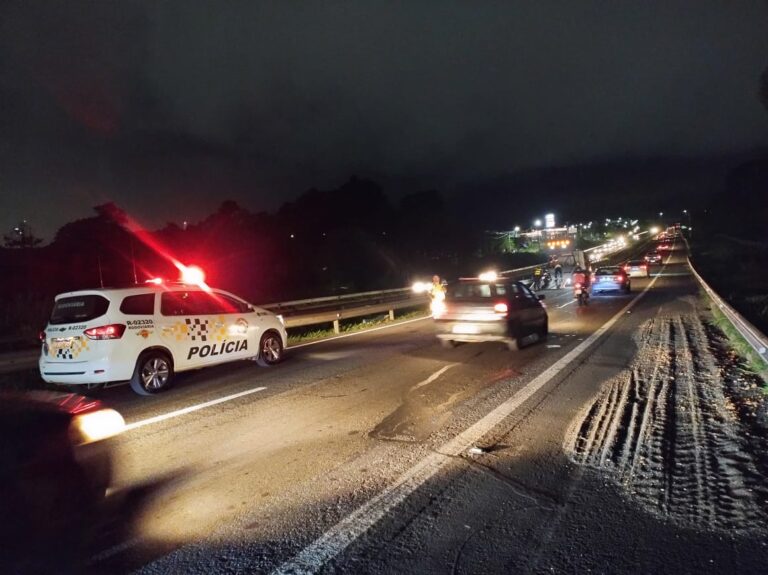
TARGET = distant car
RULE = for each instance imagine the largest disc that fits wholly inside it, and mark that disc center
(653, 257)
(499, 310)
(610, 278)
(146, 334)
(664, 247)
(637, 269)
(55, 468)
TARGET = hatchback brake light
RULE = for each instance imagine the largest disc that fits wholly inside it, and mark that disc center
(112, 331)
(500, 307)
(41, 336)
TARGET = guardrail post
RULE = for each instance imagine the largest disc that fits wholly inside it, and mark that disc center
(391, 315)
(336, 328)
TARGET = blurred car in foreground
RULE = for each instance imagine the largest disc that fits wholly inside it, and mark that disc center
(493, 309)
(610, 278)
(637, 269)
(653, 257)
(55, 468)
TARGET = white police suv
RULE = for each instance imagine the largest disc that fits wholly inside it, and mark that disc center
(146, 334)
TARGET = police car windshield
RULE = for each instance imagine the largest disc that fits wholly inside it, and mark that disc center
(78, 309)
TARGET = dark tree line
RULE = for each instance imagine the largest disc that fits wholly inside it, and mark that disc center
(353, 238)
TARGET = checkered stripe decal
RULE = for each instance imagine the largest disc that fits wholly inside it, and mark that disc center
(78, 346)
(200, 329)
(197, 328)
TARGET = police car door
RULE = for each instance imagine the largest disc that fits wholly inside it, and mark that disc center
(184, 327)
(238, 331)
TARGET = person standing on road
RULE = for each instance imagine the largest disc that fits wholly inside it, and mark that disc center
(437, 291)
(558, 274)
(537, 273)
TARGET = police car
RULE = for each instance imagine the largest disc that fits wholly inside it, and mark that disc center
(146, 334)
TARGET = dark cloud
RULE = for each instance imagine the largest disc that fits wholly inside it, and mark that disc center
(182, 103)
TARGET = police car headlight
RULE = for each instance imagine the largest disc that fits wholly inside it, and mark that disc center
(281, 319)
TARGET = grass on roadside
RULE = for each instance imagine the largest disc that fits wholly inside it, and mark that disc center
(739, 344)
(312, 333)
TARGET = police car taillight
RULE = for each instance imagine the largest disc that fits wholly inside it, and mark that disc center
(112, 331)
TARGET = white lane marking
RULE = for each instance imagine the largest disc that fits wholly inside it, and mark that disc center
(334, 541)
(361, 332)
(191, 408)
(434, 376)
(565, 304)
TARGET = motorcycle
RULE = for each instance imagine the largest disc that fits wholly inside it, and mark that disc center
(581, 293)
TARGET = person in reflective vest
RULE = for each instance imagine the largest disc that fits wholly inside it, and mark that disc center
(537, 273)
(437, 291)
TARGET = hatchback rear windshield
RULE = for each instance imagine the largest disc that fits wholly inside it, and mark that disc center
(78, 309)
(469, 291)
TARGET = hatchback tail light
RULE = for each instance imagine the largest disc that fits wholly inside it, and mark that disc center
(41, 336)
(500, 307)
(112, 331)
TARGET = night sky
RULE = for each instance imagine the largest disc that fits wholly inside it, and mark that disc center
(168, 108)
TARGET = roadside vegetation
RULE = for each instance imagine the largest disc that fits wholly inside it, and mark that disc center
(748, 360)
(306, 334)
(737, 269)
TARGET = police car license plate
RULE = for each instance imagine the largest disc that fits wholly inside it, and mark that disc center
(61, 343)
(465, 328)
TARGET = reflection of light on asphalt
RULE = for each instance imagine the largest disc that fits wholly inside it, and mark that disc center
(331, 355)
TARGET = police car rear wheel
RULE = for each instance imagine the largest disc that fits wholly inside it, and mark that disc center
(153, 373)
(270, 350)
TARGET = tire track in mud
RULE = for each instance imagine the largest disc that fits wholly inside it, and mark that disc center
(667, 431)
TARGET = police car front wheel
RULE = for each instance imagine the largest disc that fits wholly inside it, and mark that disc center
(270, 349)
(153, 373)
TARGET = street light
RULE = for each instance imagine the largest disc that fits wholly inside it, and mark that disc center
(537, 223)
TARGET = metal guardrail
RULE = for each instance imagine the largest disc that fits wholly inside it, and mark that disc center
(753, 336)
(333, 309)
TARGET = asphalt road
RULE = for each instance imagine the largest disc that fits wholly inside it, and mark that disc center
(382, 452)
(247, 467)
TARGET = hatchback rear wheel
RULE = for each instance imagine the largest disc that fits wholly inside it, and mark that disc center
(153, 373)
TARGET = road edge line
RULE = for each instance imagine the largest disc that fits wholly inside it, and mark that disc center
(335, 540)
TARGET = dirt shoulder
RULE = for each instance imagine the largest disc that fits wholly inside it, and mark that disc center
(647, 457)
